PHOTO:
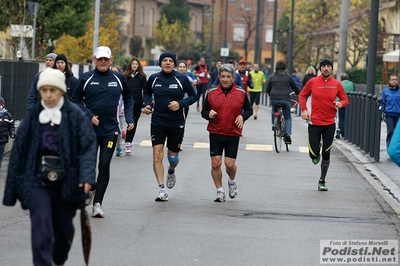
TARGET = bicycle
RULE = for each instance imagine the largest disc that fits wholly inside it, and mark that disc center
(279, 124)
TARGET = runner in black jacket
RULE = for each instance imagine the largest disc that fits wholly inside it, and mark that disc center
(168, 87)
(98, 93)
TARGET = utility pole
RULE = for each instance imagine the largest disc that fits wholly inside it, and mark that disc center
(274, 36)
(257, 48)
(372, 47)
(96, 25)
(211, 32)
(344, 19)
(290, 50)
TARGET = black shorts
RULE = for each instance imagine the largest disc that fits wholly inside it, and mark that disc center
(173, 135)
(219, 143)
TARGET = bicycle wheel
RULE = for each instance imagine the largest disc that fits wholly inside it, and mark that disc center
(278, 133)
(283, 132)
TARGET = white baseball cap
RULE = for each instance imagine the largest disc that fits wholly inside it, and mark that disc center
(102, 51)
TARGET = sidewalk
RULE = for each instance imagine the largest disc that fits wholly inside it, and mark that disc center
(383, 175)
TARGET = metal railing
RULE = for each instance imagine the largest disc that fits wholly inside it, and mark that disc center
(363, 122)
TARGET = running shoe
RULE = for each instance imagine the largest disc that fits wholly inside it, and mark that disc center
(321, 185)
(162, 195)
(232, 190)
(171, 180)
(89, 200)
(119, 152)
(255, 116)
(128, 148)
(316, 161)
(97, 211)
(220, 197)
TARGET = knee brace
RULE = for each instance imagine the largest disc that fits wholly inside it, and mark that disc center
(173, 160)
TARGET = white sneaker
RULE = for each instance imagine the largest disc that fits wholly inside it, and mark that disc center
(128, 148)
(162, 195)
(220, 197)
(171, 180)
(97, 211)
(232, 190)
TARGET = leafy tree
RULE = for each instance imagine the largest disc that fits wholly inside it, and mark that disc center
(172, 37)
(176, 11)
(54, 19)
(309, 16)
(81, 49)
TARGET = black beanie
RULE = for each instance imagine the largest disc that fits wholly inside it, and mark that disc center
(325, 61)
(167, 54)
(61, 57)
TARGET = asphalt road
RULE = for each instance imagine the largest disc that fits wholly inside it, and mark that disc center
(278, 218)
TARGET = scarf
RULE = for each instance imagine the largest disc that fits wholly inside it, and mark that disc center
(53, 114)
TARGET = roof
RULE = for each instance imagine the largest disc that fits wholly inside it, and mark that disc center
(391, 56)
(334, 26)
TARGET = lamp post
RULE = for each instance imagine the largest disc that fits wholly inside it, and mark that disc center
(274, 36)
(226, 26)
(290, 51)
(398, 65)
(212, 32)
(257, 49)
(34, 9)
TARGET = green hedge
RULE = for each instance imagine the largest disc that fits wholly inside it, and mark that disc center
(359, 76)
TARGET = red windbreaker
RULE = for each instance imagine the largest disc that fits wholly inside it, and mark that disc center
(318, 97)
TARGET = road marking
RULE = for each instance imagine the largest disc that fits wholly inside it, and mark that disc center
(145, 143)
(201, 145)
(258, 147)
(247, 147)
(303, 149)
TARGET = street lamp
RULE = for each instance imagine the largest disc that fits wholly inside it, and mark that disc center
(211, 32)
(398, 65)
(274, 36)
(257, 48)
(226, 23)
(290, 51)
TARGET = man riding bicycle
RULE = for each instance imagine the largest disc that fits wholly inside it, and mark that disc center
(279, 87)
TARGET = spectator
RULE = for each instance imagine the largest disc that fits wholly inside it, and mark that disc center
(33, 93)
(311, 73)
(70, 80)
(7, 127)
(391, 106)
(348, 87)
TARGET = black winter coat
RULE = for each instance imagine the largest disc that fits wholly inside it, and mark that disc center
(77, 152)
(7, 127)
(137, 84)
(70, 82)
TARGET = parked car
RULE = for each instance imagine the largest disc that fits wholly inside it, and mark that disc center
(149, 70)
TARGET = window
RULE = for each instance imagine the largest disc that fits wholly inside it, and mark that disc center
(238, 33)
(142, 16)
(151, 22)
(194, 22)
(269, 34)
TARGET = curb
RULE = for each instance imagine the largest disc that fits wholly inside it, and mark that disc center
(378, 180)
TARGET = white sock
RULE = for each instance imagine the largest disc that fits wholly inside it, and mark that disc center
(220, 189)
(230, 181)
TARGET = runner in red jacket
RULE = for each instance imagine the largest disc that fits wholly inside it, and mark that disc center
(318, 105)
